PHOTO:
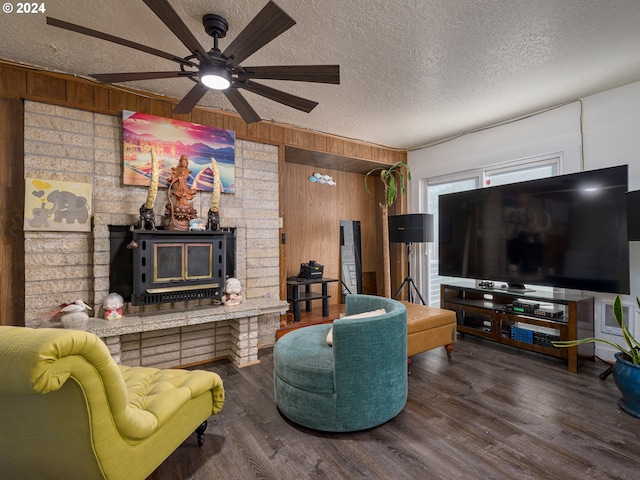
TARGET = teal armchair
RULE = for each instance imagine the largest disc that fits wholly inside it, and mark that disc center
(357, 383)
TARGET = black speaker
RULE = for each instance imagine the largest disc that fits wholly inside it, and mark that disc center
(411, 228)
(633, 215)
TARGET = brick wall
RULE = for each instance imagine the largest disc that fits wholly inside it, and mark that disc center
(73, 145)
(176, 346)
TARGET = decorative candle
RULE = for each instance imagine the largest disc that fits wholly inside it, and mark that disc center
(153, 183)
(215, 199)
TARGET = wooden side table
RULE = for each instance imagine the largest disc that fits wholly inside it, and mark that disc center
(295, 296)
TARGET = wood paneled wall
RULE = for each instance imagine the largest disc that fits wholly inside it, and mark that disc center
(312, 223)
(18, 83)
(12, 207)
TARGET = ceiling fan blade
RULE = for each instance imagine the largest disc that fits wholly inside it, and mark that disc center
(270, 22)
(241, 105)
(133, 76)
(191, 99)
(279, 96)
(165, 12)
(297, 73)
(120, 41)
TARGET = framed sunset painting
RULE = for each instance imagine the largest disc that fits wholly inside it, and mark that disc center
(170, 139)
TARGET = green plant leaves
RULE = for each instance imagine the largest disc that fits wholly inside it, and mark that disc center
(391, 178)
(633, 350)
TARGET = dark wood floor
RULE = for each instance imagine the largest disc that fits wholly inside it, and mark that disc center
(492, 412)
(313, 317)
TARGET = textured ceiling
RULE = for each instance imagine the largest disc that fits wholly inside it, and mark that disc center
(413, 72)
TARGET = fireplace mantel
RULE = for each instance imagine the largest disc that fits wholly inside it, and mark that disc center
(178, 324)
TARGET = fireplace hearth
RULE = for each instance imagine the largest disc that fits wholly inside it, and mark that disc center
(162, 266)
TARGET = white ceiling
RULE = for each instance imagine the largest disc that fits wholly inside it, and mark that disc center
(413, 72)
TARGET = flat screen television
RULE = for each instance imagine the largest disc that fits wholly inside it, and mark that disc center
(567, 231)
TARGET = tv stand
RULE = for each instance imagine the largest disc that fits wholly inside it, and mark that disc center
(489, 313)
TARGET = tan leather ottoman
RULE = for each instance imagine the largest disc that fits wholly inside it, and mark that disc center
(429, 327)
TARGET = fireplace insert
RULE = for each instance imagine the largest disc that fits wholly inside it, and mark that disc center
(162, 266)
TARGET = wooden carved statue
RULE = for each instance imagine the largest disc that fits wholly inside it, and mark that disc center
(178, 214)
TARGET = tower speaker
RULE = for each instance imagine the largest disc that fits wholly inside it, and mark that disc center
(633, 215)
(411, 228)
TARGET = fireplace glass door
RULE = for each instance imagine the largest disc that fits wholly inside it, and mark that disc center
(182, 261)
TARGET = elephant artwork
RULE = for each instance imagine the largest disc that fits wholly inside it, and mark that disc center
(69, 207)
(55, 205)
(40, 217)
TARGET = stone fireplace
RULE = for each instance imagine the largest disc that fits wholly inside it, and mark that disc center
(60, 267)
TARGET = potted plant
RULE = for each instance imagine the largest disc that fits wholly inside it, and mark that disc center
(394, 181)
(626, 370)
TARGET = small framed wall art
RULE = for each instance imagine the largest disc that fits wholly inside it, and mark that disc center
(51, 205)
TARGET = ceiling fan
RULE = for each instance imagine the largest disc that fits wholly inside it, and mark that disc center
(221, 70)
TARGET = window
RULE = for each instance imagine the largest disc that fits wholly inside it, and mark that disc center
(521, 173)
(434, 190)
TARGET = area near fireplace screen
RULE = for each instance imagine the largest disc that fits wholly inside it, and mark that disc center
(180, 261)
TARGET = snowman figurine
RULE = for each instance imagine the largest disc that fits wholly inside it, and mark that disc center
(113, 306)
(232, 292)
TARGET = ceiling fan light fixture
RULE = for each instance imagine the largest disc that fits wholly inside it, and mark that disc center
(215, 76)
(216, 69)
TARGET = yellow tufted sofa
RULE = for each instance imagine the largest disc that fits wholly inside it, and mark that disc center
(68, 411)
